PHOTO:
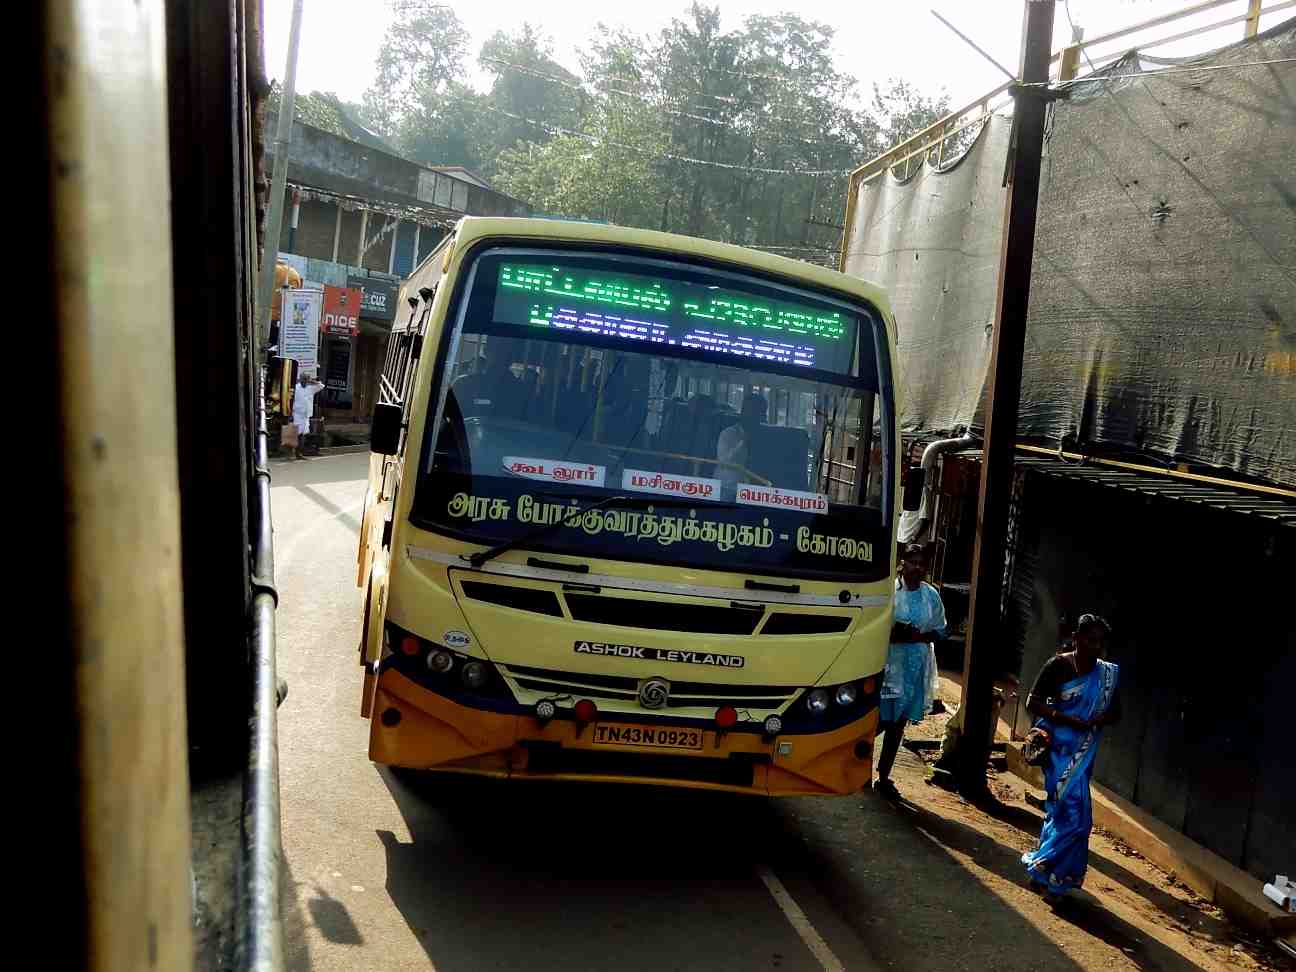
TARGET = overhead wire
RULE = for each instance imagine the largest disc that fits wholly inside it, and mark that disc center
(605, 86)
(1173, 157)
(664, 156)
(1155, 73)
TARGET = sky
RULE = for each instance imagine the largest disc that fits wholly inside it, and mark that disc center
(875, 40)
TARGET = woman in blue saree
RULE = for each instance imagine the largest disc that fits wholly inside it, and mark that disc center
(1073, 698)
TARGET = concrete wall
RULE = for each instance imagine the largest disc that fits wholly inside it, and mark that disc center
(327, 161)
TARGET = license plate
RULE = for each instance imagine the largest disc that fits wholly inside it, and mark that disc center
(651, 736)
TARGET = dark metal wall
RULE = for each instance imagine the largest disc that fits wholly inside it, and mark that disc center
(1162, 295)
(208, 192)
(1200, 602)
(45, 526)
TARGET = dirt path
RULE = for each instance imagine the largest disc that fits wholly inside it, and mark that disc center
(918, 879)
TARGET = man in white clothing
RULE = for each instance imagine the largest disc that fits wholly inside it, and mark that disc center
(304, 407)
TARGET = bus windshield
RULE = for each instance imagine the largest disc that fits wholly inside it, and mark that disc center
(729, 421)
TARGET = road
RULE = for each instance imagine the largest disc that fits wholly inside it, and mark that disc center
(393, 872)
(389, 871)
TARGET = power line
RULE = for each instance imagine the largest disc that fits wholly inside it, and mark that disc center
(665, 156)
(605, 86)
(1104, 80)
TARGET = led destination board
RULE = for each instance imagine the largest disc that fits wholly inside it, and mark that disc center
(665, 310)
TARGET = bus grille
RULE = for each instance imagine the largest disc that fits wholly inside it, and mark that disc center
(625, 689)
(664, 615)
(546, 760)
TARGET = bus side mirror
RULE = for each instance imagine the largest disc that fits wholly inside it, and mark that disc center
(385, 429)
(913, 489)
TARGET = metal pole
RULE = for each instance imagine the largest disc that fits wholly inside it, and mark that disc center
(1005, 372)
(274, 219)
(1252, 18)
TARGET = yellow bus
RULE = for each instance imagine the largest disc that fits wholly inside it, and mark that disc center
(631, 514)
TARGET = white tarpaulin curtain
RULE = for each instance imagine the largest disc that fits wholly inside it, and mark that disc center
(932, 242)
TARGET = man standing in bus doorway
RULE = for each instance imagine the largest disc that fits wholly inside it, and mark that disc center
(734, 447)
(303, 408)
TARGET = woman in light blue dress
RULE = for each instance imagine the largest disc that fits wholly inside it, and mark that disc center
(1073, 698)
(908, 684)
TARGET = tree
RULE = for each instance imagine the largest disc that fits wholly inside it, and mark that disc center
(455, 128)
(740, 134)
(326, 111)
(905, 111)
(421, 56)
(532, 94)
(609, 174)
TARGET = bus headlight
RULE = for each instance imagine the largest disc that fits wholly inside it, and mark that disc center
(440, 662)
(474, 674)
(817, 701)
(846, 694)
(773, 725)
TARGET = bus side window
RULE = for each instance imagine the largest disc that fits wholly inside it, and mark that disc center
(397, 374)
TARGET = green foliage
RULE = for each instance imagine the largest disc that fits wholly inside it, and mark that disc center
(326, 111)
(742, 135)
(422, 54)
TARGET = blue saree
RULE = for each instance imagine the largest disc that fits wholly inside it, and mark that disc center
(1058, 864)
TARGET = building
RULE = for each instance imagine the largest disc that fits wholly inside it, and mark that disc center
(1156, 475)
(361, 217)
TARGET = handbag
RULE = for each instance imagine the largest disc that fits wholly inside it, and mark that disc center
(1035, 748)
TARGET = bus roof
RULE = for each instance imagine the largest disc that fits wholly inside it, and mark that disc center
(473, 228)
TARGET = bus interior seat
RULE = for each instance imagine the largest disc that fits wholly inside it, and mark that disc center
(575, 411)
(782, 455)
(692, 429)
(624, 404)
(623, 423)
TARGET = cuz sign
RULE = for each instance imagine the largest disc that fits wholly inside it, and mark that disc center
(659, 654)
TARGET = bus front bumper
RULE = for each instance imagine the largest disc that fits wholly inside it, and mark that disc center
(413, 727)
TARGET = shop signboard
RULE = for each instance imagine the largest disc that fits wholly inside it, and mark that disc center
(378, 300)
(299, 330)
(337, 373)
(341, 311)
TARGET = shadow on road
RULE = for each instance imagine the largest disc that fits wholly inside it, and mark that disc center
(1211, 925)
(331, 917)
(320, 470)
(331, 508)
(539, 876)
(296, 950)
(915, 905)
(533, 876)
(1080, 909)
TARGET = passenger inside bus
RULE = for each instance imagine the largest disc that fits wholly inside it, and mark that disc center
(624, 406)
(572, 404)
(492, 390)
(690, 428)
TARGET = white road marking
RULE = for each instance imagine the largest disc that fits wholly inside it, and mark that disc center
(797, 918)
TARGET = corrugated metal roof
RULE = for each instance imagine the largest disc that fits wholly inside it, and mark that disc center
(1276, 508)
